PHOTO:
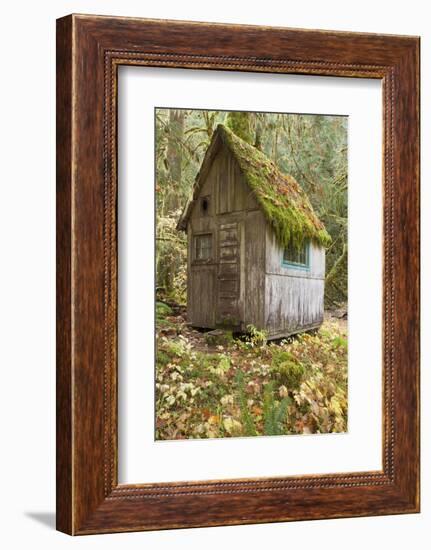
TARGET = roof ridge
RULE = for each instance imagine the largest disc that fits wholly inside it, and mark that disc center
(284, 202)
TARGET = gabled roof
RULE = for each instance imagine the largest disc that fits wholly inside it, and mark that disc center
(283, 201)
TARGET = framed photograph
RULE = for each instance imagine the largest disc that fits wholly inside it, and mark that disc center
(237, 274)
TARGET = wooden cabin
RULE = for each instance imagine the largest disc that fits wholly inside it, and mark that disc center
(256, 249)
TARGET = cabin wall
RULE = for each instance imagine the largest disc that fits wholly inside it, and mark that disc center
(201, 277)
(294, 298)
(254, 270)
(216, 288)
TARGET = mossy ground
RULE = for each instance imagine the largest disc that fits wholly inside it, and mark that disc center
(244, 388)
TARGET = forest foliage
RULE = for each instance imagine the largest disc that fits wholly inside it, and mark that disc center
(248, 387)
(311, 148)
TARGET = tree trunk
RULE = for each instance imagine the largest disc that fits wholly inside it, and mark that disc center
(174, 155)
(240, 124)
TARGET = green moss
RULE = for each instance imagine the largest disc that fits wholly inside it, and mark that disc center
(286, 369)
(239, 123)
(162, 310)
(284, 203)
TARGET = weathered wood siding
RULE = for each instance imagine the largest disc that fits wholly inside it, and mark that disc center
(293, 297)
(254, 270)
(201, 278)
(221, 299)
(229, 308)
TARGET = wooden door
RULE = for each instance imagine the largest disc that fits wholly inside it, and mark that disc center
(202, 296)
(228, 277)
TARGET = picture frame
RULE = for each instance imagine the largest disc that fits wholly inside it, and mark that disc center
(89, 51)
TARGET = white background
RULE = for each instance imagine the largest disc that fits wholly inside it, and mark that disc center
(141, 458)
(27, 275)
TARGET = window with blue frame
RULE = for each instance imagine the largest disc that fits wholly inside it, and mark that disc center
(297, 257)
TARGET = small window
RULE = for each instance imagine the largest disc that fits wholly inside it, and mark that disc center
(297, 257)
(203, 247)
(205, 206)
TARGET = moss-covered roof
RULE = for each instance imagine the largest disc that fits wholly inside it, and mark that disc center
(283, 201)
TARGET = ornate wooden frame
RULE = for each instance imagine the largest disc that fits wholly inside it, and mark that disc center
(89, 51)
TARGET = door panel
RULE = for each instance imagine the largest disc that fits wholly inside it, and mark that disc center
(228, 275)
(203, 296)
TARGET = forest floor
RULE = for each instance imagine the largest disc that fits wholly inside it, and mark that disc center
(247, 386)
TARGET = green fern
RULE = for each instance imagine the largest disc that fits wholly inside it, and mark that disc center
(274, 412)
(246, 418)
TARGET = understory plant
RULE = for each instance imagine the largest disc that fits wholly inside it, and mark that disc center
(274, 411)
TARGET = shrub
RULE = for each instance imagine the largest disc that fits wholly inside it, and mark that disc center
(179, 347)
(162, 310)
(221, 367)
(257, 337)
(162, 357)
(286, 370)
(339, 342)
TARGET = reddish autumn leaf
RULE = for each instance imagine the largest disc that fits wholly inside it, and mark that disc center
(206, 413)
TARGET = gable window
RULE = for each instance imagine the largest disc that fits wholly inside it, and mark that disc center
(297, 257)
(203, 247)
